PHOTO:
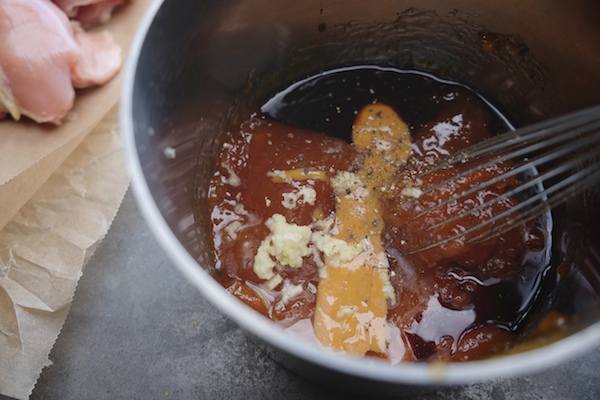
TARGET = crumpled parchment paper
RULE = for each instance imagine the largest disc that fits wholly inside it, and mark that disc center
(60, 189)
(44, 247)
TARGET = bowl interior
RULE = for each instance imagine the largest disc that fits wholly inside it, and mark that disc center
(198, 68)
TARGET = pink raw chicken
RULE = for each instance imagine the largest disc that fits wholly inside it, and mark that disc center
(43, 56)
(89, 12)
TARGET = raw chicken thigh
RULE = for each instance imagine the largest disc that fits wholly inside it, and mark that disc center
(44, 56)
(89, 12)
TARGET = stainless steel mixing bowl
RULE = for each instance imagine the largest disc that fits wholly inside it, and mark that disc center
(197, 67)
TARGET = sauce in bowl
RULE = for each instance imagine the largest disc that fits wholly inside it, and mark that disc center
(276, 213)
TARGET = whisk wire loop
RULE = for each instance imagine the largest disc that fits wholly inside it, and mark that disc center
(554, 161)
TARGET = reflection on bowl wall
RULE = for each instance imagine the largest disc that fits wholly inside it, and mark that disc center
(198, 68)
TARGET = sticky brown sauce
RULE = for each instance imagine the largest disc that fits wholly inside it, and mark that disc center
(457, 302)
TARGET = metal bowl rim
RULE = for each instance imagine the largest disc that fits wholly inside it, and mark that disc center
(376, 370)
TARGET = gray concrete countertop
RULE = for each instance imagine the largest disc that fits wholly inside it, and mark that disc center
(138, 330)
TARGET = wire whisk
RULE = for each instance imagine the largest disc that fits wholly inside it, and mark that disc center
(552, 161)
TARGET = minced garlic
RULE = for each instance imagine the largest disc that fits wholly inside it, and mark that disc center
(306, 194)
(286, 244)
